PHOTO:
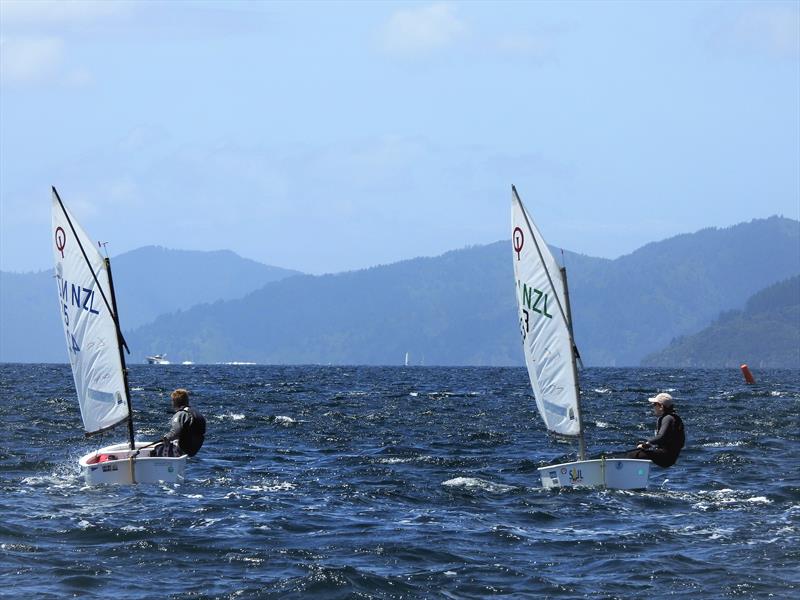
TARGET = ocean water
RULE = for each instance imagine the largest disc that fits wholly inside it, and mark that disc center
(361, 482)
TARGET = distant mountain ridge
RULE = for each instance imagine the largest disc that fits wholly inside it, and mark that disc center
(454, 309)
(765, 333)
(459, 308)
(677, 286)
(178, 279)
(149, 281)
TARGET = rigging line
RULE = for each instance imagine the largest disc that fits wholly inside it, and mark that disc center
(89, 264)
(566, 294)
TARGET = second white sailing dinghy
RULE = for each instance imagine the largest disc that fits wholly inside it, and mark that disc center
(88, 310)
(552, 360)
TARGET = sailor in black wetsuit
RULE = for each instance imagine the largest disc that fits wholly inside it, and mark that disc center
(663, 449)
(187, 429)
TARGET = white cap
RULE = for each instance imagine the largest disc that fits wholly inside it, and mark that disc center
(663, 399)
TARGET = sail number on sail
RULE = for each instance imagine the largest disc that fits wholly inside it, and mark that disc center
(535, 300)
(75, 295)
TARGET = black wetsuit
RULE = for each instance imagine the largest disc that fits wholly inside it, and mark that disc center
(667, 443)
(188, 427)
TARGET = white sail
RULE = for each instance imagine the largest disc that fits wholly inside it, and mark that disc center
(89, 327)
(543, 322)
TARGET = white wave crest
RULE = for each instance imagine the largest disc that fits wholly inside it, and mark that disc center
(729, 499)
(277, 486)
(395, 460)
(475, 483)
(231, 416)
(723, 444)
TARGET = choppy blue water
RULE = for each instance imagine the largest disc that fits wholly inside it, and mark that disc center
(351, 482)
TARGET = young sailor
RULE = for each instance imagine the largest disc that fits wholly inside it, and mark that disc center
(663, 449)
(187, 428)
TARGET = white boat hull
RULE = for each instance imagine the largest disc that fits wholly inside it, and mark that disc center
(611, 473)
(126, 469)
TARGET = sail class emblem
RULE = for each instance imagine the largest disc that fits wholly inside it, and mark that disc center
(519, 240)
(61, 240)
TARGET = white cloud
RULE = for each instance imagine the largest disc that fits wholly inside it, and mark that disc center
(422, 30)
(29, 59)
(770, 28)
(531, 46)
(35, 38)
(777, 27)
(25, 13)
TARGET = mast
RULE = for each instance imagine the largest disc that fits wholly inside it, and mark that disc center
(575, 356)
(120, 343)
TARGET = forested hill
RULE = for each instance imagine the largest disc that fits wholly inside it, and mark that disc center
(454, 309)
(459, 308)
(766, 333)
(149, 282)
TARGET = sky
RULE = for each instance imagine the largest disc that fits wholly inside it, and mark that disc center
(325, 137)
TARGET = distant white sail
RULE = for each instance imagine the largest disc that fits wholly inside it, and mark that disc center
(89, 328)
(543, 323)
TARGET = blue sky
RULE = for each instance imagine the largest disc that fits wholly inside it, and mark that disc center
(332, 136)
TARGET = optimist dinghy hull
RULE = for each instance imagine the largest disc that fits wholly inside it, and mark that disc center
(611, 473)
(119, 464)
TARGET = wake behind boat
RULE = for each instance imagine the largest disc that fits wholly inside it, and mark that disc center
(551, 357)
(88, 310)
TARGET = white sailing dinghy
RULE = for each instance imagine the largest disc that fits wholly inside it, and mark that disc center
(88, 310)
(552, 360)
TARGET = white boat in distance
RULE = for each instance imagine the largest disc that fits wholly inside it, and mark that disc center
(551, 357)
(88, 311)
(157, 359)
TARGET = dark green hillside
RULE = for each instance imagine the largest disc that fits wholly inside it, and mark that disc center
(455, 309)
(459, 308)
(766, 334)
(641, 301)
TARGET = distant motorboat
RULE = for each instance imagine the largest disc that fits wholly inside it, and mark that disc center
(157, 359)
(187, 362)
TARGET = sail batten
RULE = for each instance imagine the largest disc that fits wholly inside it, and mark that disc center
(545, 326)
(90, 328)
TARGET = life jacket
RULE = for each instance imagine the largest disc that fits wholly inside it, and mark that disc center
(681, 437)
(101, 458)
(677, 438)
(193, 433)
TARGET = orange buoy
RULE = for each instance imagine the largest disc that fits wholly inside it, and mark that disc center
(748, 376)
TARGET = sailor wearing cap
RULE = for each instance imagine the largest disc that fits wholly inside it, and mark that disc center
(663, 449)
